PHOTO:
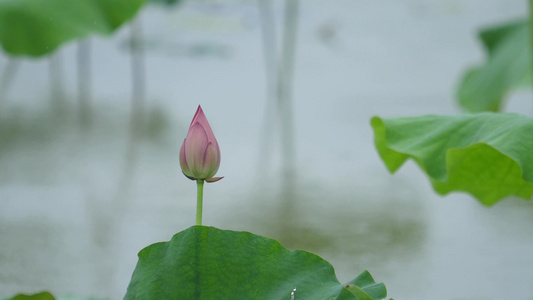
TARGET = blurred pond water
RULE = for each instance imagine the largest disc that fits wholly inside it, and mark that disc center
(74, 211)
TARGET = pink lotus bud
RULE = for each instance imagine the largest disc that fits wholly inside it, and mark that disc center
(199, 154)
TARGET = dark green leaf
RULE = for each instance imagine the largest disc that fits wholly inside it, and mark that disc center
(365, 282)
(37, 27)
(38, 296)
(168, 2)
(209, 263)
(492, 37)
(484, 87)
(488, 155)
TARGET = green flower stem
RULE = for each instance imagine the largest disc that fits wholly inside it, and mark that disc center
(199, 203)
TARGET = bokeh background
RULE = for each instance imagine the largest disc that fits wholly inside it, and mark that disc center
(79, 200)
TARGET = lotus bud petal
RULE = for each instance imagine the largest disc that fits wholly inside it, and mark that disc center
(199, 153)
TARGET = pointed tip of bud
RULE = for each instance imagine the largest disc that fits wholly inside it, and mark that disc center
(199, 113)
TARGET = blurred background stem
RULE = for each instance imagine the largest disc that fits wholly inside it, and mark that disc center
(279, 74)
(138, 97)
(57, 79)
(531, 40)
(268, 35)
(284, 90)
(138, 80)
(84, 83)
(9, 72)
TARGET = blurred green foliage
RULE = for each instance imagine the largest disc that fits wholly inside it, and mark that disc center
(507, 67)
(38, 27)
(38, 296)
(168, 2)
(488, 155)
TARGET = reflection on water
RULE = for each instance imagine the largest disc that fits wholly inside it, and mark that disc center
(363, 228)
(61, 204)
(68, 226)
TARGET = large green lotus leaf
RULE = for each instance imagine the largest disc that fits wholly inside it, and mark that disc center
(37, 27)
(209, 263)
(489, 155)
(484, 87)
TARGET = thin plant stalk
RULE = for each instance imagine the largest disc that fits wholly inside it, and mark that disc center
(57, 91)
(285, 80)
(84, 83)
(137, 108)
(199, 201)
(137, 77)
(137, 94)
(9, 72)
(531, 38)
(268, 34)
